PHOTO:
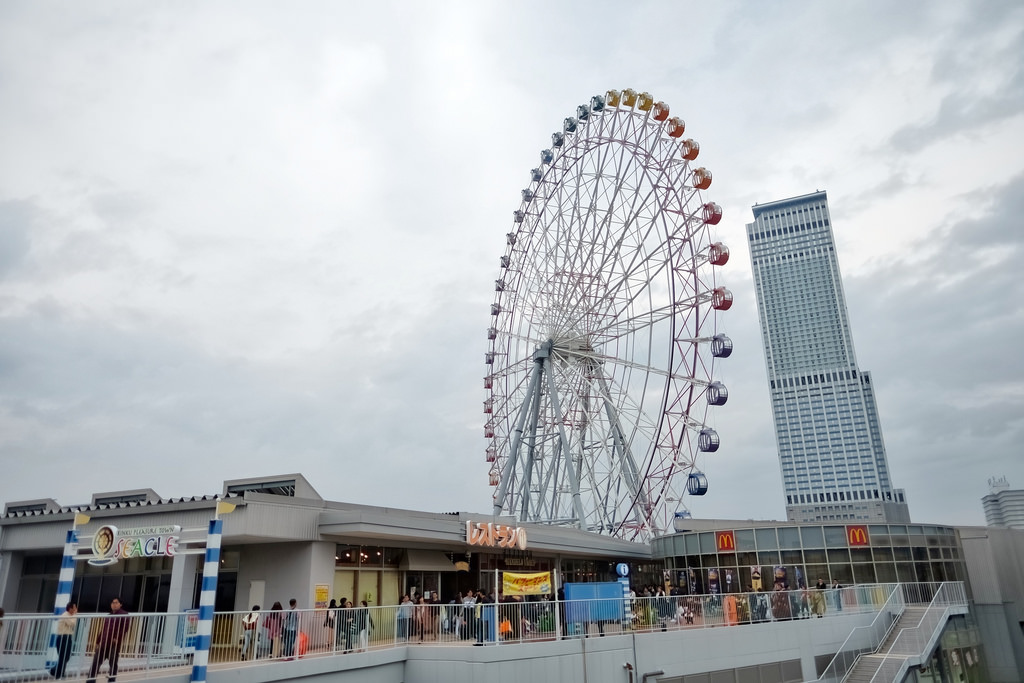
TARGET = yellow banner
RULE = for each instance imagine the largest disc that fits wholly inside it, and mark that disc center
(526, 584)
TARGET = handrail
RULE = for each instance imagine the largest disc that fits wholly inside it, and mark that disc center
(948, 596)
(845, 657)
(162, 640)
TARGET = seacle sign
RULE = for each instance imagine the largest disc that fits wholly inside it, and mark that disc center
(111, 544)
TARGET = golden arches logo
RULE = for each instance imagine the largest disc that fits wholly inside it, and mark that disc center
(725, 540)
(857, 535)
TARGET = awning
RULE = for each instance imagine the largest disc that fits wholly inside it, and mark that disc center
(426, 561)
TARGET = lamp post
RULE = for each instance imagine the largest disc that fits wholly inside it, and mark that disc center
(207, 597)
(65, 583)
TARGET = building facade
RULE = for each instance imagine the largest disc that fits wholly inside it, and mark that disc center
(827, 431)
(1004, 507)
(760, 554)
(282, 541)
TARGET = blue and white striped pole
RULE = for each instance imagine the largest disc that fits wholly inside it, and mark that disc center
(65, 583)
(204, 629)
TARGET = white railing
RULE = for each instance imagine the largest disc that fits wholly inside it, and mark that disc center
(916, 641)
(864, 639)
(154, 642)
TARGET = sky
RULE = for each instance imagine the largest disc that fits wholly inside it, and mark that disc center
(244, 239)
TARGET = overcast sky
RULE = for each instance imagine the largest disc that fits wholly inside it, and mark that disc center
(241, 239)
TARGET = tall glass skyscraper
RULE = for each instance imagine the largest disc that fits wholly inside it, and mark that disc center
(826, 422)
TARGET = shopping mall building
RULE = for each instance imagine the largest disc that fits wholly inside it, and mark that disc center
(283, 540)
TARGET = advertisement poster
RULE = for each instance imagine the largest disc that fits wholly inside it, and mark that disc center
(731, 582)
(320, 593)
(780, 578)
(693, 583)
(755, 578)
(714, 588)
(537, 583)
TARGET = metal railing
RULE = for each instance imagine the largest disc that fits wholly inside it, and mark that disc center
(914, 642)
(865, 639)
(154, 642)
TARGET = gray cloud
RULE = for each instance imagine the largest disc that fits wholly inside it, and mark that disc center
(15, 225)
(236, 244)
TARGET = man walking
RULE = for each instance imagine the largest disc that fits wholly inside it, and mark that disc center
(65, 639)
(108, 645)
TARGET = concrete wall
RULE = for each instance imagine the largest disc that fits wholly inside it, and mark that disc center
(589, 660)
(288, 570)
(995, 568)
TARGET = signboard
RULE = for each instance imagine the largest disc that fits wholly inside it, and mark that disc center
(110, 544)
(857, 535)
(320, 594)
(495, 535)
(538, 583)
(725, 541)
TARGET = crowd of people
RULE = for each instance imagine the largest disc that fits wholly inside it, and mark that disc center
(475, 615)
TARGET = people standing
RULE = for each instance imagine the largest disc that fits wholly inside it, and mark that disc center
(348, 623)
(329, 619)
(364, 623)
(108, 645)
(837, 594)
(290, 628)
(65, 638)
(405, 615)
(249, 623)
(273, 625)
(337, 622)
(818, 598)
(422, 617)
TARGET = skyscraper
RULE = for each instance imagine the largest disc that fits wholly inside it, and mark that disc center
(1003, 506)
(829, 440)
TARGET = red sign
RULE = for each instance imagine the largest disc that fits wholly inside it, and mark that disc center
(857, 535)
(725, 541)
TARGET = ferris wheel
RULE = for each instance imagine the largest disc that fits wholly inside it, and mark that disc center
(602, 339)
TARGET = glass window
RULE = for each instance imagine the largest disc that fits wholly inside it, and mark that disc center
(905, 572)
(883, 554)
(864, 573)
(843, 573)
(766, 539)
(745, 539)
(885, 572)
(346, 556)
(838, 555)
(707, 542)
(815, 572)
(860, 554)
(813, 537)
(792, 557)
(768, 557)
(814, 556)
(692, 544)
(835, 536)
(789, 537)
(879, 534)
(392, 557)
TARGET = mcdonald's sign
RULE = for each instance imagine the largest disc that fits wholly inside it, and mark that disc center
(725, 541)
(857, 535)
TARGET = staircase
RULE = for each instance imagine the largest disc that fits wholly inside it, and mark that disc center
(891, 657)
